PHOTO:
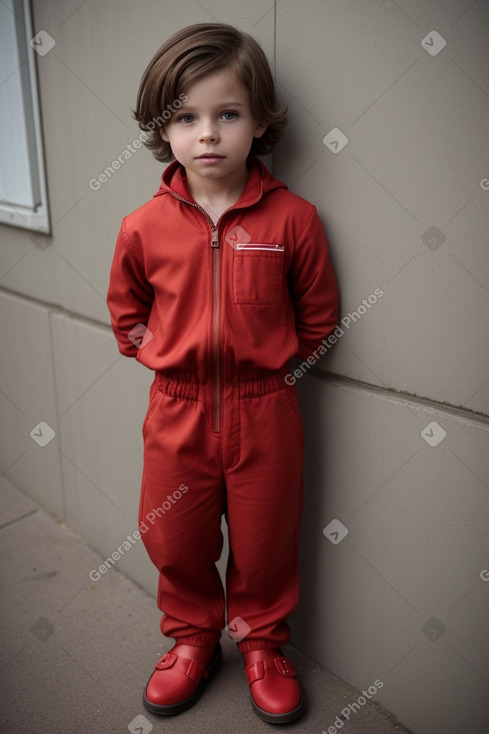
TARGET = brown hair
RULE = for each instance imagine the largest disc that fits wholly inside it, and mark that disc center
(193, 53)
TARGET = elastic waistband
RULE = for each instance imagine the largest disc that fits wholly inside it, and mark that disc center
(185, 385)
(181, 385)
(255, 384)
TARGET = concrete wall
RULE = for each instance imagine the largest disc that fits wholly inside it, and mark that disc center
(395, 531)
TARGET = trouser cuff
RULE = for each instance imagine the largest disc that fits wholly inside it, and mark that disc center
(246, 646)
(208, 639)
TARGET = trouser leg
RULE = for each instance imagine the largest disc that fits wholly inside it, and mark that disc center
(182, 500)
(264, 506)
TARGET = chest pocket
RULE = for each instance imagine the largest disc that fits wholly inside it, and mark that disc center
(257, 272)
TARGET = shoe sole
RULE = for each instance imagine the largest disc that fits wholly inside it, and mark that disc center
(279, 718)
(172, 709)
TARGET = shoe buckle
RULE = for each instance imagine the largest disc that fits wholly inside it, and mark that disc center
(167, 661)
(283, 666)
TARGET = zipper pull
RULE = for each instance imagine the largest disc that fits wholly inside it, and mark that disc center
(215, 238)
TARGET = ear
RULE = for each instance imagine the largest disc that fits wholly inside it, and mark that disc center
(260, 130)
(163, 134)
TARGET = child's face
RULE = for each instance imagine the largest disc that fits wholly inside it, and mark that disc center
(211, 134)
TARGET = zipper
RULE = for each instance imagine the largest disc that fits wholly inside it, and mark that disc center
(216, 332)
(216, 314)
(275, 247)
(216, 306)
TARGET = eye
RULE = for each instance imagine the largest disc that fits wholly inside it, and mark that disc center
(229, 115)
(186, 119)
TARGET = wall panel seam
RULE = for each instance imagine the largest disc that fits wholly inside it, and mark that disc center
(452, 412)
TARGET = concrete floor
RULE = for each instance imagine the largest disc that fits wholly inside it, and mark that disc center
(76, 655)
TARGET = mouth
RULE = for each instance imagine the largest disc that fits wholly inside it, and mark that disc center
(210, 157)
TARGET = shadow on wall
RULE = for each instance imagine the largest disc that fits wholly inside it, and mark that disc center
(312, 613)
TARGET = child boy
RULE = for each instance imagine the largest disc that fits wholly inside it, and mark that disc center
(216, 283)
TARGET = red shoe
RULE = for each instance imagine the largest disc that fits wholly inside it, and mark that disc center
(276, 694)
(178, 682)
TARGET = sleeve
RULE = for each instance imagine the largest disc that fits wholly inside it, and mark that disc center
(313, 286)
(130, 296)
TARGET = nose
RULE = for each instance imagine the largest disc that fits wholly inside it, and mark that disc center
(208, 133)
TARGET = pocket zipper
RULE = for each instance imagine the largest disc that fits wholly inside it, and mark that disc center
(259, 246)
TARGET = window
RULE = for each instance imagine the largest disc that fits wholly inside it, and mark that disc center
(23, 196)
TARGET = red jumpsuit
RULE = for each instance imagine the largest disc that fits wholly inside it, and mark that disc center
(217, 312)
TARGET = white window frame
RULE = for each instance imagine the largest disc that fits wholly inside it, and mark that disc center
(24, 163)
